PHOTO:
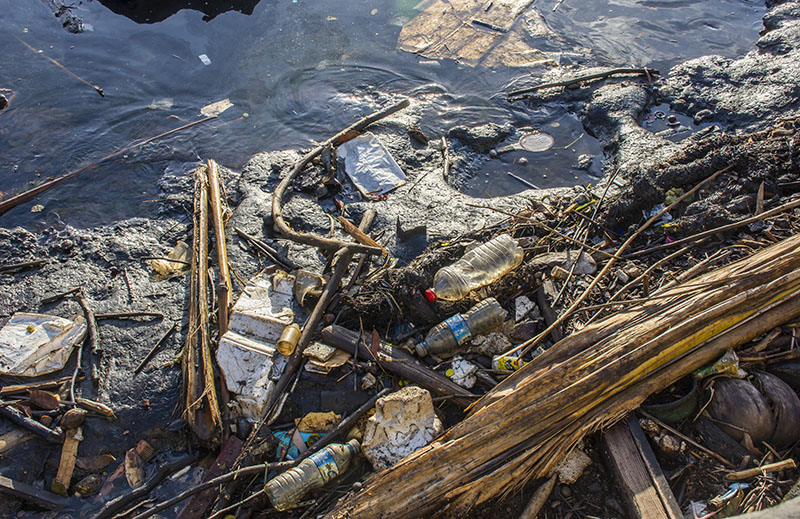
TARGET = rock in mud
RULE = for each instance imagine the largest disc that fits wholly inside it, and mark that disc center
(482, 138)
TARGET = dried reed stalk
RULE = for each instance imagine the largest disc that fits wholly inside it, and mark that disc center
(589, 380)
(201, 407)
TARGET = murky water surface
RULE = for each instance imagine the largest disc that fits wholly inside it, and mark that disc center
(292, 70)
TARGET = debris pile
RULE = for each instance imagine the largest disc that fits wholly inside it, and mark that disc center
(647, 331)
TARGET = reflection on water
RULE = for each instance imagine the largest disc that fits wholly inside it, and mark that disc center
(296, 72)
(152, 11)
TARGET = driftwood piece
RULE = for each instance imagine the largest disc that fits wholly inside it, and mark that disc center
(587, 77)
(29, 423)
(280, 224)
(398, 362)
(763, 469)
(587, 381)
(32, 494)
(538, 499)
(95, 407)
(640, 478)
(91, 341)
(22, 388)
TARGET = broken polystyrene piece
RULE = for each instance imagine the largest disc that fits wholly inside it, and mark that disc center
(319, 352)
(36, 344)
(404, 421)
(573, 466)
(370, 166)
(245, 351)
(463, 372)
(522, 307)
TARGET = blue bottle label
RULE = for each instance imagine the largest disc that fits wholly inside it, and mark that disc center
(326, 465)
(458, 326)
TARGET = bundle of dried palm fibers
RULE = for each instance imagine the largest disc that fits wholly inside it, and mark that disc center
(524, 427)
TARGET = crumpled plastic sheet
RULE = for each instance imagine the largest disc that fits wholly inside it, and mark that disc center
(37, 344)
(370, 166)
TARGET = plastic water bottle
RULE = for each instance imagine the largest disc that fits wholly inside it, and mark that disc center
(454, 331)
(477, 268)
(287, 490)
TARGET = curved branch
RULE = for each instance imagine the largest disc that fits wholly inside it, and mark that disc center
(345, 135)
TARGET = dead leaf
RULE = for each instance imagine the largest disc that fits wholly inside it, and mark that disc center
(44, 399)
(94, 463)
(134, 469)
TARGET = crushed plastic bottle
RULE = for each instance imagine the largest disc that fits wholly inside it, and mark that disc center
(287, 490)
(454, 331)
(479, 267)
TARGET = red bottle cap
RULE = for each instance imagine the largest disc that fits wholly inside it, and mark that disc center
(431, 295)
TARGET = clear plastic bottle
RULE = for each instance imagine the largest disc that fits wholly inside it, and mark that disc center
(477, 268)
(454, 331)
(287, 490)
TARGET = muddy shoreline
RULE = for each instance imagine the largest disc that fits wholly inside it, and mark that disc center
(730, 96)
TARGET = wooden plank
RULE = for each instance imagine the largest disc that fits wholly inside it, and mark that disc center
(640, 478)
(69, 454)
(398, 362)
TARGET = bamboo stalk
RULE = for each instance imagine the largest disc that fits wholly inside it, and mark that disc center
(764, 469)
(224, 289)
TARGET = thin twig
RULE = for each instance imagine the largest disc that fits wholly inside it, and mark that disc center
(747, 221)
(62, 67)
(221, 513)
(534, 341)
(154, 349)
(15, 200)
(129, 315)
(277, 197)
(211, 483)
(91, 340)
(580, 79)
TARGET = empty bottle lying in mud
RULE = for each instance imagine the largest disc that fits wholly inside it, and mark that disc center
(454, 331)
(479, 267)
(287, 490)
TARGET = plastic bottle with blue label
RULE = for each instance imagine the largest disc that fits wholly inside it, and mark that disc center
(286, 490)
(447, 336)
